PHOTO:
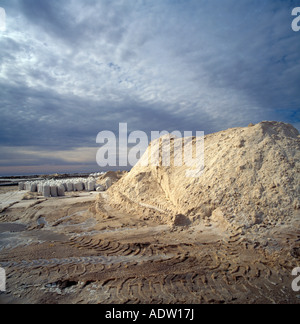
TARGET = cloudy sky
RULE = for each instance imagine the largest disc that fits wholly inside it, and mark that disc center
(70, 69)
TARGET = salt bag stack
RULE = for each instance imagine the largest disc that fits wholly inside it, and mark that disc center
(57, 188)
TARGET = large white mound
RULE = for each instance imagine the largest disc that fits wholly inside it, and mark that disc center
(251, 176)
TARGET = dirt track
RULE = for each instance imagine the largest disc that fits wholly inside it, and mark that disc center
(68, 254)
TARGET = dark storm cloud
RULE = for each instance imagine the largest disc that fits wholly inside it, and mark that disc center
(38, 118)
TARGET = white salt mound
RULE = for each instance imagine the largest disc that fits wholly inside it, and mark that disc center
(251, 176)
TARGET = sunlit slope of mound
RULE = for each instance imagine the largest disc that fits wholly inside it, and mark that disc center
(251, 176)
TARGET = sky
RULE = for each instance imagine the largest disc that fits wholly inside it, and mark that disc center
(71, 69)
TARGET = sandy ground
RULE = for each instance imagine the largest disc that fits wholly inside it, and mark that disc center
(58, 250)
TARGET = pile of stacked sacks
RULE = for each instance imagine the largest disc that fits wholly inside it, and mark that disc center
(57, 188)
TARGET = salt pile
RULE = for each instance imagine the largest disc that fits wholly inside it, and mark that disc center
(251, 178)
